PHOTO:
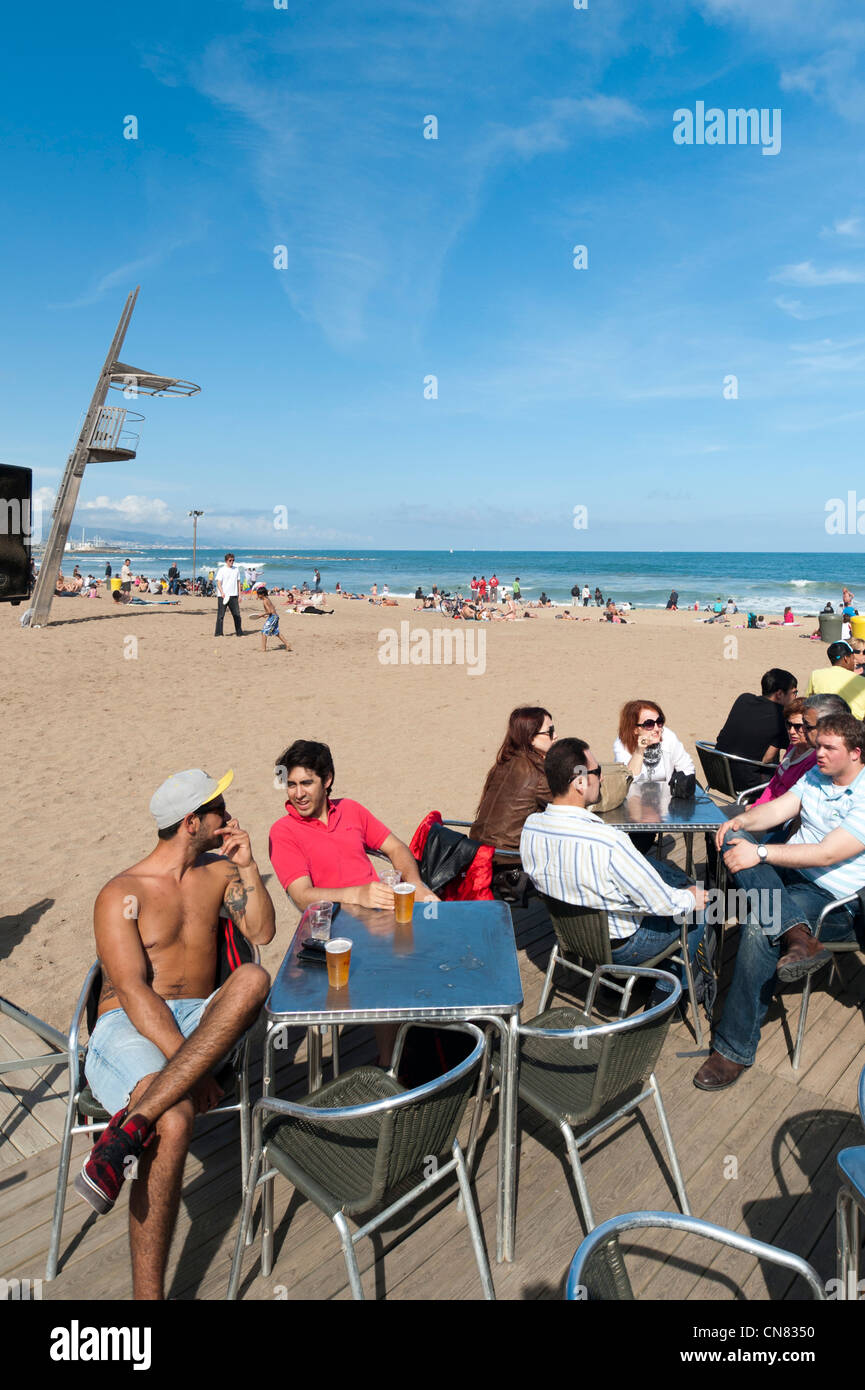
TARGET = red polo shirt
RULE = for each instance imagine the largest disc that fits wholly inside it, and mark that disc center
(332, 855)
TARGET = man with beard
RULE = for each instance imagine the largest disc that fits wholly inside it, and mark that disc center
(162, 1028)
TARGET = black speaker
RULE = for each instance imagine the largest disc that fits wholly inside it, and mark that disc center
(16, 497)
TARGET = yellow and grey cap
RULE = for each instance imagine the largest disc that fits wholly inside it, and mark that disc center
(184, 792)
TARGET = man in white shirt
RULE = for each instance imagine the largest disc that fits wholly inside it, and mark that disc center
(126, 578)
(571, 854)
(227, 587)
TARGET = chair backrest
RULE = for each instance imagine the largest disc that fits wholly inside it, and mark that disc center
(716, 770)
(597, 1270)
(406, 1129)
(618, 1057)
(580, 931)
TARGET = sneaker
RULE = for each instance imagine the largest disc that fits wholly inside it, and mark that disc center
(113, 1158)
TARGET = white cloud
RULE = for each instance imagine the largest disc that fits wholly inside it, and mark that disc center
(131, 508)
(847, 226)
(806, 275)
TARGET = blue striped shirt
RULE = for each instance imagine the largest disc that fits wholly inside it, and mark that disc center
(574, 856)
(827, 807)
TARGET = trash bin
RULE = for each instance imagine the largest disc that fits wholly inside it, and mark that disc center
(857, 627)
(830, 627)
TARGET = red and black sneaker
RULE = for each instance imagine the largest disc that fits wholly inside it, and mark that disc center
(113, 1158)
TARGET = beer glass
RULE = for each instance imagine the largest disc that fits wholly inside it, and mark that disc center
(338, 952)
(318, 920)
(403, 894)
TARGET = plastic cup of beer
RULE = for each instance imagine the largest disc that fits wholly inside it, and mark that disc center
(390, 876)
(338, 952)
(318, 920)
(403, 894)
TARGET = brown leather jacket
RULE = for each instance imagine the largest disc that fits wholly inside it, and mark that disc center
(517, 788)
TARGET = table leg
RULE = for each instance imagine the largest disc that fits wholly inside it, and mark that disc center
(313, 1052)
(689, 855)
(267, 1079)
(507, 1155)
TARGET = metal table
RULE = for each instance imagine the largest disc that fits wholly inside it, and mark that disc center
(648, 807)
(454, 961)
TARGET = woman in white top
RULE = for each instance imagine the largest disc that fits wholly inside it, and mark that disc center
(650, 750)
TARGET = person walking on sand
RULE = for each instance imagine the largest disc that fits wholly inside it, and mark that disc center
(227, 586)
(271, 621)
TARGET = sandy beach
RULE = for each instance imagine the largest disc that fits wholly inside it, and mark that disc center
(91, 732)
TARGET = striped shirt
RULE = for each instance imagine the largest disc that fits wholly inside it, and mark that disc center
(827, 807)
(574, 856)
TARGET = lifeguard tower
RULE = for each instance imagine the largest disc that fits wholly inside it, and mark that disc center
(105, 437)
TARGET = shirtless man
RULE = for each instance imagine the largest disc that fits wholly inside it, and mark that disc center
(162, 1030)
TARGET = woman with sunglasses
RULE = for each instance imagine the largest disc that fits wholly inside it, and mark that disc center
(516, 785)
(800, 717)
(650, 750)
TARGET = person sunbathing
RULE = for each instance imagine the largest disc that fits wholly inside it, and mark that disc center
(118, 597)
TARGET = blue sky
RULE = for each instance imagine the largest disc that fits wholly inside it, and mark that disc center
(409, 257)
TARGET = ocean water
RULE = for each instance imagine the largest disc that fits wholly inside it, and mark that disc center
(758, 582)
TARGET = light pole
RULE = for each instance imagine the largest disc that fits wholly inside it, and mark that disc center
(195, 515)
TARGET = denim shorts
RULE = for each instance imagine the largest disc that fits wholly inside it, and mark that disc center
(118, 1057)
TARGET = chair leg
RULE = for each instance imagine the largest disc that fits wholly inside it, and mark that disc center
(267, 1228)
(689, 977)
(60, 1194)
(242, 1087)
(843, 1262)
(348, 1251)
(245, 1225)
(548, 979)
(479, 1103)
(670, 1146)
(334, 1049)
(473, 1224)
(579, 1179)
(689, 855)
(803, 1014)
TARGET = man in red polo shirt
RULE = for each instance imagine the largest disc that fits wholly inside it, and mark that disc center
(319, 849)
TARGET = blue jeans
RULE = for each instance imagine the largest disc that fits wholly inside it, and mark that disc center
(790, 900)
(655, 934)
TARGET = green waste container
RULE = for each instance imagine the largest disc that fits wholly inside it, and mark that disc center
(830, 627)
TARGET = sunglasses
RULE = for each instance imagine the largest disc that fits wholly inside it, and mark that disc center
(214, 808)
(798, 724)
(652, 723)
(549, 732)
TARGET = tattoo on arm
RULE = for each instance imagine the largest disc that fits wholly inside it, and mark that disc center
(236, 897)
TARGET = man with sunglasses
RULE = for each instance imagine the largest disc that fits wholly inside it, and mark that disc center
(574, 856)
(162, 1028)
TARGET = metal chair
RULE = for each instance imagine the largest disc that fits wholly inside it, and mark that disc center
(850, 1202)
(837, 948)
(573, 1071)
(84, 1114)
(598, 1272)
(355, 1143)
(718, 768)
(749, 796)
(584, 932)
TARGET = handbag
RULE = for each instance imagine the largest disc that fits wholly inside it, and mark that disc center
(683, 786)
(615, 786)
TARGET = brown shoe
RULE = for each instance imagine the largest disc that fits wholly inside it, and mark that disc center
(717, 1072)
(803, 955)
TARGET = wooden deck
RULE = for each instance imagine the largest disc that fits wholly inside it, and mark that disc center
(759, 1157)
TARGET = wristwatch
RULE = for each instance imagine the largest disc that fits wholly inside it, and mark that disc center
(762, 853)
